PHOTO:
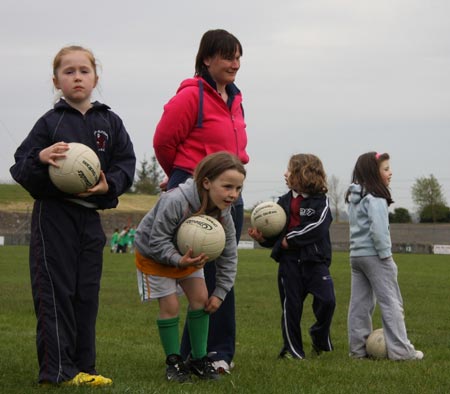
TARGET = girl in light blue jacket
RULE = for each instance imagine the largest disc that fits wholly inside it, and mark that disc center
(374, 272)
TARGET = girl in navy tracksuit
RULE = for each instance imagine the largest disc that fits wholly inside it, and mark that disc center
(303, 251)
(67, 238)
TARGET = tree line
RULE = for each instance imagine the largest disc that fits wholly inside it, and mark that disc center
(427, 194)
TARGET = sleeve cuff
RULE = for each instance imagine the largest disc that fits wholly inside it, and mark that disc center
(220, 293)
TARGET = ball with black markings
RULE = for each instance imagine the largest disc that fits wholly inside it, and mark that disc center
(78, 171)
(202, 233)
(269, 218)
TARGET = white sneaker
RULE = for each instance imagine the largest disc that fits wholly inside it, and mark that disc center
(418, 355)
(221, 366)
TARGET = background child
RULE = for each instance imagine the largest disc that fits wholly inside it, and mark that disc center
(115, 241)
(374, 272)
(303, 251)
(123, 240)
(67, 238)
(217, 183)
(131, 235)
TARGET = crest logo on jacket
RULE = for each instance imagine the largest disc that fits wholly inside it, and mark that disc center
(307, 211)
(101, 138)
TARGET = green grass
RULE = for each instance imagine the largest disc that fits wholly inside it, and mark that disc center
(14, 197)
(11, 192)
(129, 350)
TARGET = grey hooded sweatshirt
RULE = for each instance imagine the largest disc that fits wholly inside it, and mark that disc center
(156, 234)
(369, 224)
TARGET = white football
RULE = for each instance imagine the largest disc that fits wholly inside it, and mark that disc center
(203, 234)
(375, 344)
(269, 218)
(78, 171)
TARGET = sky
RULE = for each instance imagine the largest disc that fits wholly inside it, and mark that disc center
(336, 78)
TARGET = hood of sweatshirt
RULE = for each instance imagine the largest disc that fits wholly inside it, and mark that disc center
(187, 83)
(232, 89)
(355, 193)
(190, 192)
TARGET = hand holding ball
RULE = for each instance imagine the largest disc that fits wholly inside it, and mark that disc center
(269, 218)
(203, 234)
(78, 171)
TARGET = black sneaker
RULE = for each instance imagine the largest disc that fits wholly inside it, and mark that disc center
(176, 371)
(203, 368)
(316, 350)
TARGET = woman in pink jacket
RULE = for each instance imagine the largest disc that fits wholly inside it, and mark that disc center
(206, 116)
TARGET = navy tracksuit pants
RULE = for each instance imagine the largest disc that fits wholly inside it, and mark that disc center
(295, 281)
(66, 254)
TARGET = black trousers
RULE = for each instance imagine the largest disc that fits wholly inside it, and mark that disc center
(66, 257)
(295, 281)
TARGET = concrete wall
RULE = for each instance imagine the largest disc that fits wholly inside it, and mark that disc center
(406, 238)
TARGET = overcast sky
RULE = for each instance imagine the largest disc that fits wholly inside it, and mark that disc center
(335, 78)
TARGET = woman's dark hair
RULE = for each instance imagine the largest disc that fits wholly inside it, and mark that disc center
(216, 42)
(367, 174)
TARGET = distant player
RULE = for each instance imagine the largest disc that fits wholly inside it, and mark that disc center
(114, 241)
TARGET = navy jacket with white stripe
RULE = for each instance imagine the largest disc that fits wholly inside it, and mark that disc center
(311, 239)
(100, 129)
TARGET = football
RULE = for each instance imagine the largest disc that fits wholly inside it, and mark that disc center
(78, 171)
(375, 344)
(269, 218)
(203, 234)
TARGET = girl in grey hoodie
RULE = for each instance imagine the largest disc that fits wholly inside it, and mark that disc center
(374, 272)
(217, 183)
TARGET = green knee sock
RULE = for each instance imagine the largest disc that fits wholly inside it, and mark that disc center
(198, 325)
(170, 337)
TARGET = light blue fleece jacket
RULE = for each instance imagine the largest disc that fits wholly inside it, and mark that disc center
(369, 224)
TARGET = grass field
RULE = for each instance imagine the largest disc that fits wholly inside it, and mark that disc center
(14, 197)
(129, 350)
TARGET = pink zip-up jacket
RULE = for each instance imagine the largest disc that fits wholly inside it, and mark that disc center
(197, 122)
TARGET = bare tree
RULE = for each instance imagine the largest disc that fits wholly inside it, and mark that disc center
(335, 195)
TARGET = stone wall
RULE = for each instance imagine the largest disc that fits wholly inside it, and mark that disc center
(414, 238)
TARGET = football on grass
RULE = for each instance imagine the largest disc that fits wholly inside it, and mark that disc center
(375, 344)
